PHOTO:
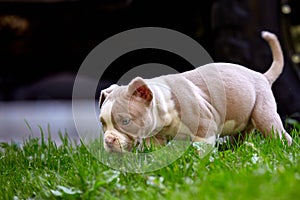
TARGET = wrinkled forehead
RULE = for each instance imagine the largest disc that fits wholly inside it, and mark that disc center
(137, 111)
(120, 104)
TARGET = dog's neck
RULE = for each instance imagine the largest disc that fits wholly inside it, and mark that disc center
(166, 114)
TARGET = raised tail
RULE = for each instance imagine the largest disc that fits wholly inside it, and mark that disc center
(278, 61)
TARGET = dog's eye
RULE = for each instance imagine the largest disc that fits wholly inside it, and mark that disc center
(126, 121)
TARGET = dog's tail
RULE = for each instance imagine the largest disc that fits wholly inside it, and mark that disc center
(278, 61)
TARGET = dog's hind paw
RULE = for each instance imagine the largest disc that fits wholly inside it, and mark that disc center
(288, 139)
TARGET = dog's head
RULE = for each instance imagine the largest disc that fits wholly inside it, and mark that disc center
(126, 114)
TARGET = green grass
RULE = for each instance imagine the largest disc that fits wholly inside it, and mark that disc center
(258, 169)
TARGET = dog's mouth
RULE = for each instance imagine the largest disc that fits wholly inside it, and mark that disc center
(121, 143)
(115, 142)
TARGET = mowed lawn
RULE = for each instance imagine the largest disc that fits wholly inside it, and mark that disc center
(257, 169)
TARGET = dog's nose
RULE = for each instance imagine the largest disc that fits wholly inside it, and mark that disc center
(110, 140)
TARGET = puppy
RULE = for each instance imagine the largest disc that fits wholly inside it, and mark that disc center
(216, 99)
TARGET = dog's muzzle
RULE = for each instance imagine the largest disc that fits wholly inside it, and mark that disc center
(116, 142)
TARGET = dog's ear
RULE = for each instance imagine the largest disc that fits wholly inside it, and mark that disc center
(105, 93)
(138, 88)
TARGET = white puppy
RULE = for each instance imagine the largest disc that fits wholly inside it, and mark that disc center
(214, 99)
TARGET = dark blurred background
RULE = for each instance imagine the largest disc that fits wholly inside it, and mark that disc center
(44, 42)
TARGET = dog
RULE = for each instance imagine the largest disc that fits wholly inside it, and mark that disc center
(217, 99)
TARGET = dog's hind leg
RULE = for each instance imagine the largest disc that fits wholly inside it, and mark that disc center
(266, 119)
